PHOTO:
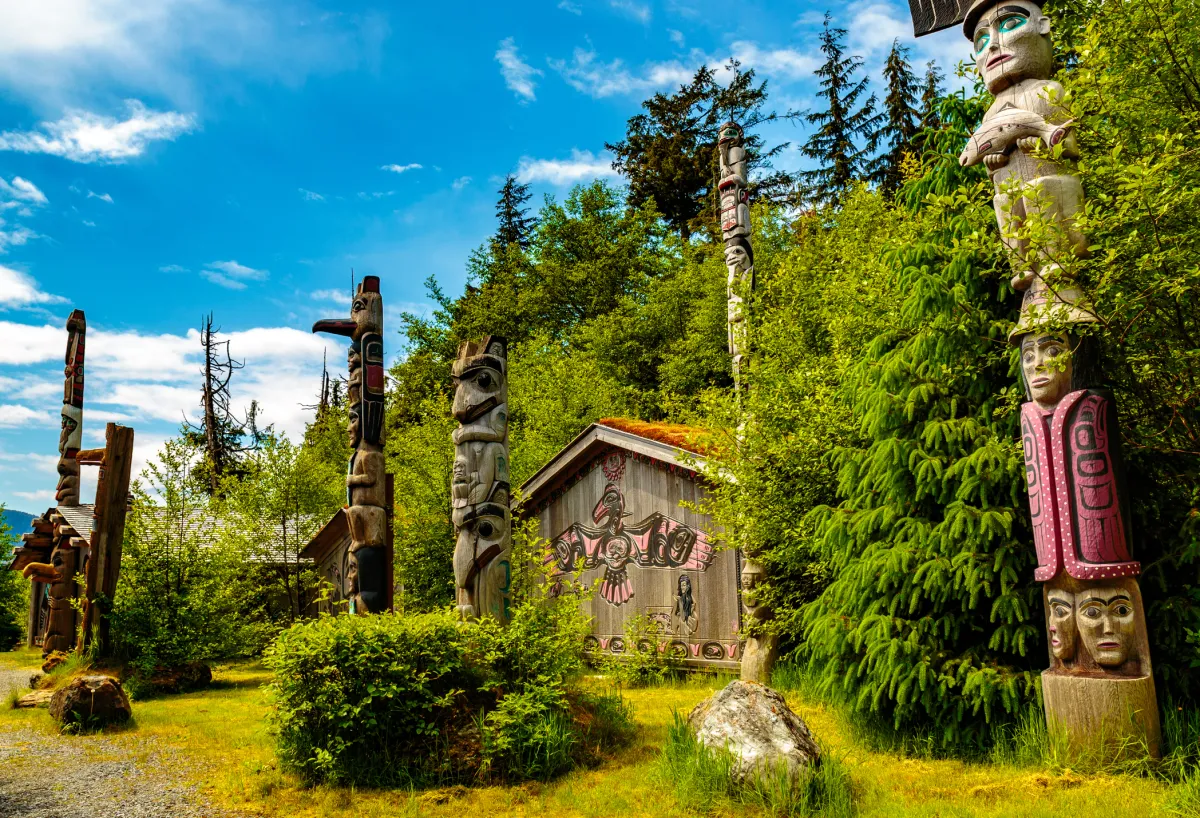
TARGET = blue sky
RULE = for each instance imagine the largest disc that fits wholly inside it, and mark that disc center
(160, 159)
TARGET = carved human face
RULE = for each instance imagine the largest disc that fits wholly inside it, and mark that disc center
(1106, 624)
(752, 577)
(1061, 624)
(483, 537)
(354, 428)
(737, 260)
(685, 584)
(1046, 366)
(1011, 44)
(71, 436)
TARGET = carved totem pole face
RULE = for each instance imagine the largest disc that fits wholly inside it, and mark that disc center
(752, 577)
(1012, 43)
(71, 436)
(1107, 624)
(1063, 635)
(1047, 368)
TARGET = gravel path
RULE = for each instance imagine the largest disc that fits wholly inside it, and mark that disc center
(51, 776)
(13, 680)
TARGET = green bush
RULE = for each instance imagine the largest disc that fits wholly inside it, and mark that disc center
(642, 664)
(425, 699)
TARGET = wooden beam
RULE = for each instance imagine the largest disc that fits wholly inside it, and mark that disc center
(389, 573)
(90, 457)
(42, 526)
(104, 563)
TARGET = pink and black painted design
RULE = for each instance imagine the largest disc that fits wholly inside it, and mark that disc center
(656, 542)
(1073, 460)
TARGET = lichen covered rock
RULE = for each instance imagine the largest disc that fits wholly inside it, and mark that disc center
(92, 701)
(755, 724)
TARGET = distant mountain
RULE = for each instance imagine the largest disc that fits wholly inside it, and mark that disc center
(20, 522)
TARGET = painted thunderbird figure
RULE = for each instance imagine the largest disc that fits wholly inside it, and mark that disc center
(655, 542)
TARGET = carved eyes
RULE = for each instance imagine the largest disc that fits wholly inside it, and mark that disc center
(1092, 611)
(484, 381)
(486, 529)
(1060, 611)
(982, 40)
(1122, 610)
(1012, 22)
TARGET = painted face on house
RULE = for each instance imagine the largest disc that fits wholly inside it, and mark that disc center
(1011, 44)
(1106, 624)
(1046, 367)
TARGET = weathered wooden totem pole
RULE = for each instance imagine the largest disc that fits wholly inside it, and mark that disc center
(1099, 689)
(368, 580)
(67, 492)
(480, 488)
(733, 185)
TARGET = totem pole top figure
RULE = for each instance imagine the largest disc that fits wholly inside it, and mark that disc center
(365, 358)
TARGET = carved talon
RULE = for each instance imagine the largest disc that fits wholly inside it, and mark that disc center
(1029, 144)
(994, 161)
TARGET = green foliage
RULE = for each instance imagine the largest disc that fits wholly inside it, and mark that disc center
(14, 591)
(423, 698)
(701, 779)
(181, 596)
(642, 664)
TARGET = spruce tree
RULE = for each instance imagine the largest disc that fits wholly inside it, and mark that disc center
(902, 120)
(932, 618)
(516, 225)
(844, 120)
(931, 93)
(667, 155)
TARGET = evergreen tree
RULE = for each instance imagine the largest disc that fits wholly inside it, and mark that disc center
(931, 93)
(515, 223)
(931, 619)
(668, 153)
(841, 160)
(902, 121)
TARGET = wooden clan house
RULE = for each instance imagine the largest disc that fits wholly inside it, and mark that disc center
(619, 503)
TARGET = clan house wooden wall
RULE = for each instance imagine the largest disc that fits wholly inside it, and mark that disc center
(617, 514)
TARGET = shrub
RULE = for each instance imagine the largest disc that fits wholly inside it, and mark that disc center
(424, 699)
(642, 664)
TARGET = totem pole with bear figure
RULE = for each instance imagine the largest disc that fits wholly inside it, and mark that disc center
(368, 571)
(1099, 689)
(759, 650)
(480, 488)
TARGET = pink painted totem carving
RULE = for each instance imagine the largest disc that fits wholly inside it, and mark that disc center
(70, 440)
(368, 572)
(1099, 686)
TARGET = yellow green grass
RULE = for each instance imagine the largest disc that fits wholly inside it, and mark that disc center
(223, 731)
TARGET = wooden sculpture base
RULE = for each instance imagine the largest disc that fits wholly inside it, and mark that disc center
(1115, 717)
(758, 658)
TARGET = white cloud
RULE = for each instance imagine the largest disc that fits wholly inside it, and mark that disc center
(675, 37)
(568, 6)
(876, 25)
(782, 63)
(19, 290)
(82, 136)
(600, 79)
(637, 11)
(232, 275)
(401, 168)
(460, 182)
(40, 498)
(14, 237)
(581, 166)
(309, 196)
(104, 197)
(21, 190)
(336, 296)
(172, 268)
(88, 223)
(14, 416)
(24, 462)
(376, 194)
(518, 75)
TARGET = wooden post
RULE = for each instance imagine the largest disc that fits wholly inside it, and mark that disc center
(389, 568)
(108, 536)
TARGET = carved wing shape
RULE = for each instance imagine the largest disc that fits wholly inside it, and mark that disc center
(660, 542)
(578, 544)
(1043, 505)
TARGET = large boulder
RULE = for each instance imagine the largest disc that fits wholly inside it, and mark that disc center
(92, 701)
(755, 724)
(189, 676)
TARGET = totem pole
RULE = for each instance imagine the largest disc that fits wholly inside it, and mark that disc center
(760, 650)
(368, 571)
(1099, 689)
(480, 489)
(67, 493)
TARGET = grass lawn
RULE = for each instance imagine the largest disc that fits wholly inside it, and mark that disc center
(224, 729)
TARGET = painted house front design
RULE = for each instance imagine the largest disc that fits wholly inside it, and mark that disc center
(619, 503)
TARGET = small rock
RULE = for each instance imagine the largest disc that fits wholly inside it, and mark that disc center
(35, 680)
(38, 698)
(190, 676)
(91, 701)
(55, 659)
(755, 724)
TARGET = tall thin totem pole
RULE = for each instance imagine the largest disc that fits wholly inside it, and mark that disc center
(1099, 688)
(480, 488)
(369, 571)
(71, 438)
(760, 650)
